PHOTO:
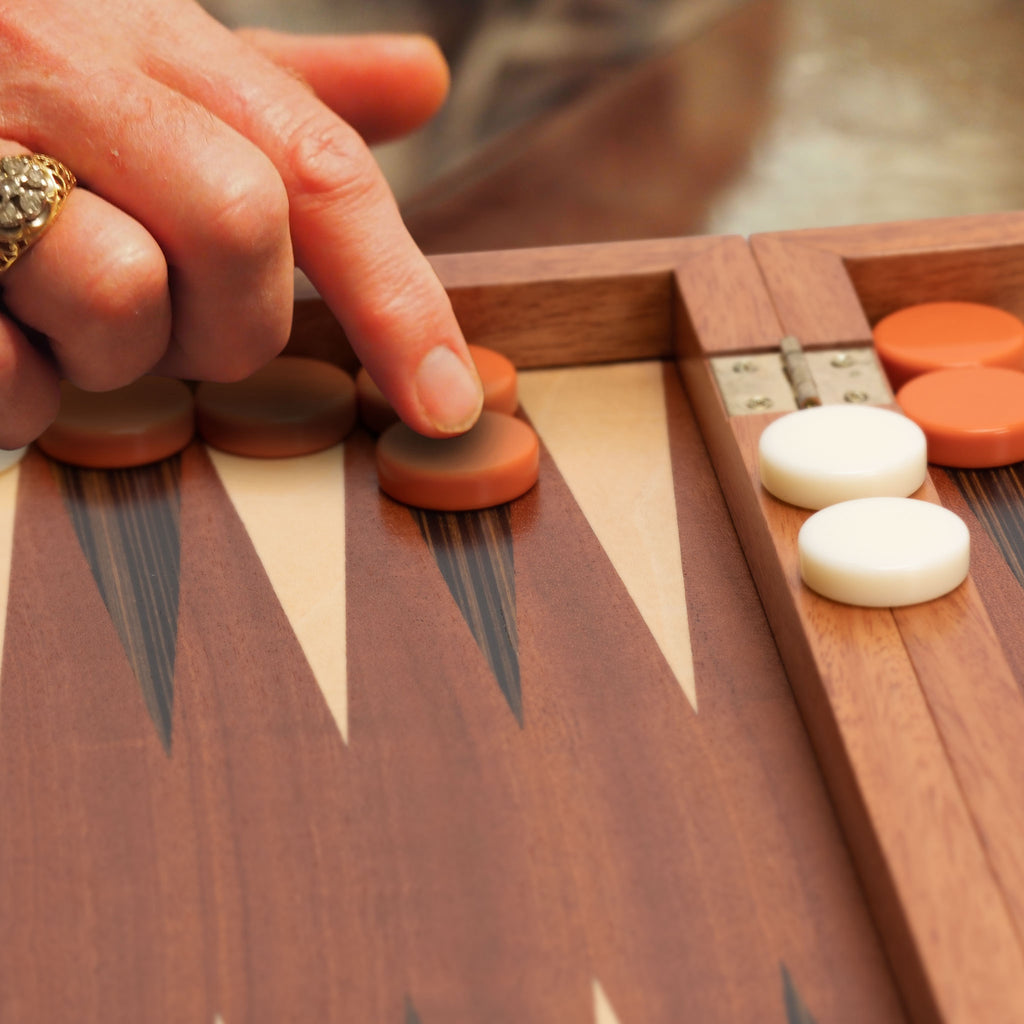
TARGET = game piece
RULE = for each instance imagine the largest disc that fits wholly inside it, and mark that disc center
(11, 457)
(493, 463)
(942, 335)
(973, 417)
(884, 552)
(150, 419)
(819, 456)
(497, 375)
(292, 406)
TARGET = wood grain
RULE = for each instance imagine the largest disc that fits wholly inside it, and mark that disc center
(580, 304)
(878, 742)
(474, 552)
(829, 287)
(127, 525)
(447, 863)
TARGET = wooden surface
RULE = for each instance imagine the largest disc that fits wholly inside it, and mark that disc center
(916, 713)
(275, 748)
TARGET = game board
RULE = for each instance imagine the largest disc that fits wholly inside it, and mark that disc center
(275, 748)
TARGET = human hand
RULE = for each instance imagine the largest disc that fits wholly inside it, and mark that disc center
(212, 162)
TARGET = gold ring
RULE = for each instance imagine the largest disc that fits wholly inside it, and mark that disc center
(32, 192)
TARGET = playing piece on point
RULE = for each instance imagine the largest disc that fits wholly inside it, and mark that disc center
(292, 406)
(973, 417)
(884, 552)
(150, 419)
(494, 462)
(497, 375)
(819, 456)
(941, 335)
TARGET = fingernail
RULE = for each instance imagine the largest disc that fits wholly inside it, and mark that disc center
(449, 392)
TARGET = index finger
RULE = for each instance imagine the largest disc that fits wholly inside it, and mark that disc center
(347, 233)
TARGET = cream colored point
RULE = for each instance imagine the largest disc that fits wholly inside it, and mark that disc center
(8, 499)
(606, 427)
(819, 456)
(603, 1011)
(294, 512)
(884, 552)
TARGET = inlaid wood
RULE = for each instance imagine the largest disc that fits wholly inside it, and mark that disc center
(796, 1011)
(609, 748)
(607, 430)
(306, 561)
(99, 873)
(604, 1013)
(997, 498)
(1000, 589)
(475, 554)
(446, 862)
(127, 525)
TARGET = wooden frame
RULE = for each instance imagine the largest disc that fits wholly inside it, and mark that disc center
(916, 713)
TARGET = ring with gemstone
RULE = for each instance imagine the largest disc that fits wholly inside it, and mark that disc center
(33, 189)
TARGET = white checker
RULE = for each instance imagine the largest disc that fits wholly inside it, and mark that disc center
(884, 552)
(819, 456)
(11, 457)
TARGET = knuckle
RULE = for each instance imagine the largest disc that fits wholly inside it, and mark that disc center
(327, 163)
(129, 308)
(245, 214)
(126, 284)
(227, 360)
(413, 301)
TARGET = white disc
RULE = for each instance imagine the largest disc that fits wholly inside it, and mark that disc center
(11, 457)
(884, 552)
(816, 457)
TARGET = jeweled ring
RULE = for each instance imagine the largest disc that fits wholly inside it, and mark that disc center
(32, 191)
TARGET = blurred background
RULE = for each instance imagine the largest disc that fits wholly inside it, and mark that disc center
(592, 120)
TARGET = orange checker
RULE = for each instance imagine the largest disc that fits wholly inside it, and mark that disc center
(942, 335)
(150, 419)
(292, 406)
(494, 462)
(973, 417)
(497, 375)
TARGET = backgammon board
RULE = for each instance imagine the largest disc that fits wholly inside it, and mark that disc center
(275, 748)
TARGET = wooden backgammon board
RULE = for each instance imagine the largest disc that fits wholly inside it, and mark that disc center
(275, 748)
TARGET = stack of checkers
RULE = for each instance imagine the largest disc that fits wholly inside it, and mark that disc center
(958, 372)
(296, 406)
(869, 543)
(958, 368)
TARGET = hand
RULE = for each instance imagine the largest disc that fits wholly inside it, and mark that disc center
(210, 163)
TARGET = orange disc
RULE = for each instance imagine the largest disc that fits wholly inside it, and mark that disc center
(497, 375)
(973, 417)
(292, 406)
(943, 335)
(493, 463)
(149, 420)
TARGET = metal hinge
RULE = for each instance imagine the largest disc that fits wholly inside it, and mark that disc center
(794, 377)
